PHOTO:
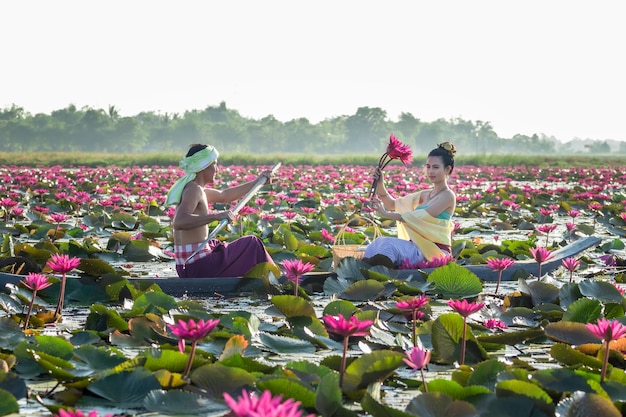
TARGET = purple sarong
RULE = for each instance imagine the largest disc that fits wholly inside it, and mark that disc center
(221, 259)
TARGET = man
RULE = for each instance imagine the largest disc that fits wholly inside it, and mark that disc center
(216, 258)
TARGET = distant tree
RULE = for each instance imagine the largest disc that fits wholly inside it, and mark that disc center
(368, 129)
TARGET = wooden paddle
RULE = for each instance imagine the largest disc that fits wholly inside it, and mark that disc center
(244, 200)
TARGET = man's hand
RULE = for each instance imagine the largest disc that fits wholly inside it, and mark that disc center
(269, 175)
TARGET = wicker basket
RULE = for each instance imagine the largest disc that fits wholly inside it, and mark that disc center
(342, 250)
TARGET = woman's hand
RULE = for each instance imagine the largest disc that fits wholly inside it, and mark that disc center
(269, 175)
(377, 204)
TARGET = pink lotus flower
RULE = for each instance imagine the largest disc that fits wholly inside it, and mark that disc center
(327, 236)
(417, 358)
(499, 265)
(413, 305)
(494, 324)
(436, 262)
(190, 330)
(465, 309)
(571, 264)
(573, 213)
(250, 405)
(62, 264)
(540, 255)
(395, 150)
(295, 269)
(346, 328)
(547, 229)
(35, 282)
(58, 217)
(606, 330)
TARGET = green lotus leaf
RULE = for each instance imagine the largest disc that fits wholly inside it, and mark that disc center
(512, 338)
(568, 293)
(336, 285)
(155, 299)
(370, 368)
(455, 390)
(123, 221)
(328, 398)
(247, 364)
(570, 332)
(102, 318)
(311, 323)
(95, 267)
(584, 404)
(337, 307)
(526, 389)
(447, 333)
(178, 402)
(55, 346)
(561, 380)
(140, 251)
(57, 368)
(364, 290)
(13, 384)
(217, 378)
(126, 389)
(454, 281)
(614, 389)
(486, 373)
(540, 292)
(293, 306)
(8, 403)
(289, 388)
(567, 355)
(513, 407)
(602, 291)
(584, 310)
(520, 316)
(376, 409)
(436, 404)
(171, 360)
(334, 213)
(614, 311)
(283, 344)
(99, 358)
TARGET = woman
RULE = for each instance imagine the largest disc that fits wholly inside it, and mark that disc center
(423, 218)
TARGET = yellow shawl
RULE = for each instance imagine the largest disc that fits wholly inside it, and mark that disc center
(422, 228)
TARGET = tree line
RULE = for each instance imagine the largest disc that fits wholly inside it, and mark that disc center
(103, 130)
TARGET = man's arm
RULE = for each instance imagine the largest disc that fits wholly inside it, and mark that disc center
(232, 193)
(185, 218)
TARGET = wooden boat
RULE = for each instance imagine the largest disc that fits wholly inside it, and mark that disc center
(207, 287)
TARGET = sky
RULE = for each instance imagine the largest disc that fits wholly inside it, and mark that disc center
(552, 67)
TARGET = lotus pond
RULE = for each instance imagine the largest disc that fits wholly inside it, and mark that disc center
(525, 351)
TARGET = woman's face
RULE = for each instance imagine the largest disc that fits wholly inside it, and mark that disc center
(435, 169)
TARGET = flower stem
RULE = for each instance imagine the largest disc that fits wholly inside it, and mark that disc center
(423, 380)
(499, 278)
(463, 341)
(192, 353)
(342, 370)
(605, 361)
(59, 310)
(30, 309)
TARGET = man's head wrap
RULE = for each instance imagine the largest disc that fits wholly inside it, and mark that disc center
(191, 165)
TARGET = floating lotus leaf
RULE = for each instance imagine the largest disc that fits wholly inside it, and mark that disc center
(155, 299)
(364, 290)
(513, 407)
(95, 267)
(328, 398)
(140, 251)
(99, 358)
(436, 404)
(217, 378)
(486, 373)
(454, 281)
(236, 345)
(179, 402)
(337, 307)
(126, 389)
(376, 409)
(585, 404)
(568, 293)
(512, 338)
(455, 390)
(567, 355)
(561, 380)
(520, 316)
(13, 384)
(447, 333)
(526, 389)
(614, 311)
(289, 388)
(293, 306)
(584, 310)
(170, 360)
(123, 221)
(570, 332)
(370, 368)
(540, 292)
(600, 290)
(8, 403)
(283, 344)
(247, 364)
